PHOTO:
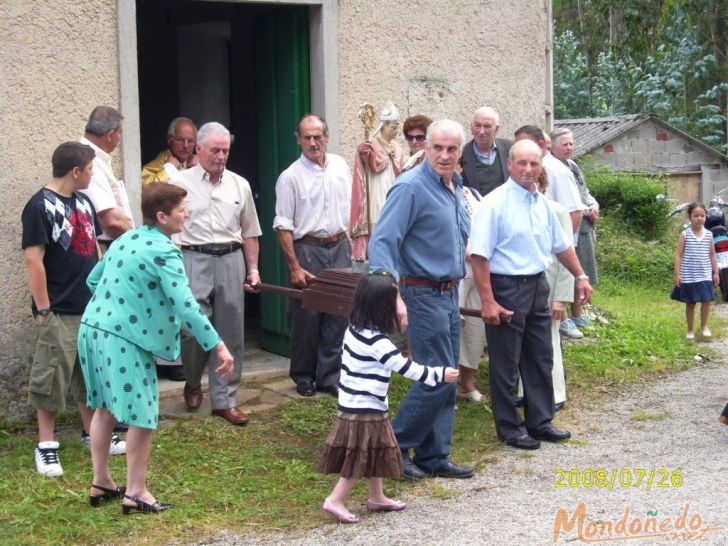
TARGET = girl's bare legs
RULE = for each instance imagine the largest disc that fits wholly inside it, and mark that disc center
(704, 314)
(337, 498)
(690, 316)
(376, 491)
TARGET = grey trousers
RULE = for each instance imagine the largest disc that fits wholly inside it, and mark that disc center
(216, 283)
(316, 338)
(521, 345)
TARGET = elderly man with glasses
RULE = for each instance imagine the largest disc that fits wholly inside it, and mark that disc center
(180, 155)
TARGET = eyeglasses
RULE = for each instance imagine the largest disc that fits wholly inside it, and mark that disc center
(180, 140)
(418, 138)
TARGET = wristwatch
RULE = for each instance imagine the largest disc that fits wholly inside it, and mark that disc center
(582, 277)
(44, 312)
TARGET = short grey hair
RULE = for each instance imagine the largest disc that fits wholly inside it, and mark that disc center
(102, 120)
(211, 128)
(556, 134)
(487, 111)
(175, 121)
(324, 125)
(448, 125)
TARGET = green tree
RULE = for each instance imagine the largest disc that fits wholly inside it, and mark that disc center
(570, 78)
(667, 57)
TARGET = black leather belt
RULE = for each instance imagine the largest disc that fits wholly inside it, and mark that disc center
(214, 250)
(440, 285)
(518, 277)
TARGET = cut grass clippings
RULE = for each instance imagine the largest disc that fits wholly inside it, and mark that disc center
(261, 478)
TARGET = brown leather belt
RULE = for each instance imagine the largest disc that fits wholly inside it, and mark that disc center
(324, 240)
(440, 285)
(214, 250)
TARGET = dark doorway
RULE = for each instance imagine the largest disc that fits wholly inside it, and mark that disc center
(245, 66)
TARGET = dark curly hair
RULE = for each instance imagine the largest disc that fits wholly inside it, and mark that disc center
(375, 303)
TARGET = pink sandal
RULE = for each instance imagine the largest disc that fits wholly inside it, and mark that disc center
(394, 506)
(342, 516)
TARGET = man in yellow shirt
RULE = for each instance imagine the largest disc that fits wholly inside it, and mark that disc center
(181, 137)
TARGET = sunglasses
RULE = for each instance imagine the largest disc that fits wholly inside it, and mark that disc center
(418, 138)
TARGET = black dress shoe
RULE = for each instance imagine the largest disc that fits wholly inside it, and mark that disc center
(519, 401)
(173, 373)
(523, 441)
(333, 390)
(305, 388)
(559, 406)
(452, 470)
(550, 434)
(411, 471)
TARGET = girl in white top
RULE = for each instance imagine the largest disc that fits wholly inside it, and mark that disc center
(362, 443)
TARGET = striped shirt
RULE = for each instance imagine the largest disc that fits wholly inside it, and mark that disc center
(367, 362)
(696, 265)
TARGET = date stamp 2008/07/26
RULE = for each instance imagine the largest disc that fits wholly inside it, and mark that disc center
(619, 478)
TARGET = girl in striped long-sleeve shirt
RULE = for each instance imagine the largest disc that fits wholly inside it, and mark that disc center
(362, 443)
(696, 270)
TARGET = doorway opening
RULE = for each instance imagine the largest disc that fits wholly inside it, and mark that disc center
(246, 66)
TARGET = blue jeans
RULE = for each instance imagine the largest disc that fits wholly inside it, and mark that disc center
(425, 419)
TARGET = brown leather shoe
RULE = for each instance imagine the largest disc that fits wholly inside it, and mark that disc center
(232, 415)
(193, 397)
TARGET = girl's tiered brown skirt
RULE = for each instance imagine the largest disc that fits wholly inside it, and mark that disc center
(361, 445)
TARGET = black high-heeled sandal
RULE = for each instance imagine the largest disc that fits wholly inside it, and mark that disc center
(109, 494)
(143, 507)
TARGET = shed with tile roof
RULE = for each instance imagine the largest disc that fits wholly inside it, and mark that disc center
(644, 143)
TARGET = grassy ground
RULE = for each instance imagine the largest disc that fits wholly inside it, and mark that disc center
(261, 478)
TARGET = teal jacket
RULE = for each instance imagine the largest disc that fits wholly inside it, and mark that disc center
(141, 293)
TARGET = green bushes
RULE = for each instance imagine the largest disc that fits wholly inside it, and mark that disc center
(624, 255)
(631, 198)
(634, 241)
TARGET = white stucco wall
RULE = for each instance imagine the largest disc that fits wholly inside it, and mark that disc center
(443, 59)
(57, 61)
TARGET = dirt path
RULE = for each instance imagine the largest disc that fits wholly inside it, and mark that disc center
(665, 426)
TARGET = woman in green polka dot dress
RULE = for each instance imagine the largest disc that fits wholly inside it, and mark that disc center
(140, 300)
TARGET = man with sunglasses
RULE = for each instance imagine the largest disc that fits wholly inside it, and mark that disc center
(180, 155)
(485, 157)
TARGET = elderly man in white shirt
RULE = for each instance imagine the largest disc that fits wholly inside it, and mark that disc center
(220, 248)
(106, 192)
(313, 199)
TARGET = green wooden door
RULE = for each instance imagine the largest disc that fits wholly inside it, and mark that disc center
(283, 96)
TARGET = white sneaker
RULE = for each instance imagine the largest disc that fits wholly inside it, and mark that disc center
(690, 335)
(46, 459)
(706, 332)
(116, 447)
(569, 329)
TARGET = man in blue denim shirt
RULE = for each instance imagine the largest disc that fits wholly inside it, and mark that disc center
(420, 239)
